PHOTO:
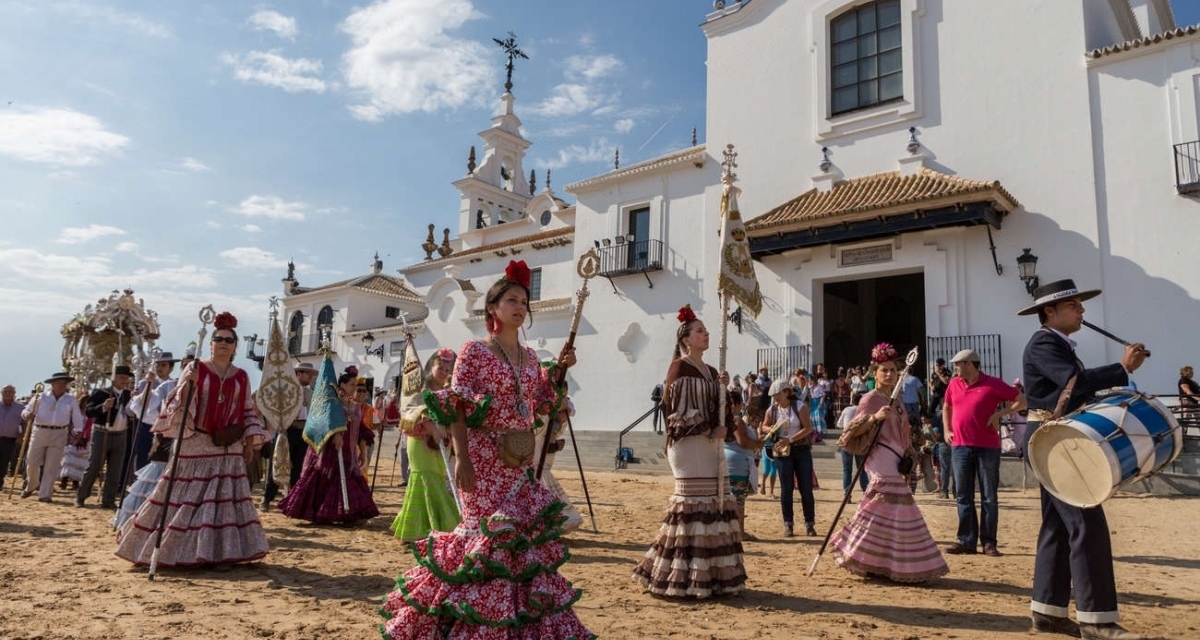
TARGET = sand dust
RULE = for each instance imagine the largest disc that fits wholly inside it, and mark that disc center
(63, 582)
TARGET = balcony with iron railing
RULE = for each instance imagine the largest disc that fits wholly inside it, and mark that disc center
(625, 258)
(1187, 167)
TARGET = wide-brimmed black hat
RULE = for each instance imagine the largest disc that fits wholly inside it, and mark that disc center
(166, 356)
(60, 376)
(122, 370)
(1054, 292)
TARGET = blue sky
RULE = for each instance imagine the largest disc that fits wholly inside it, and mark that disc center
(188, 149)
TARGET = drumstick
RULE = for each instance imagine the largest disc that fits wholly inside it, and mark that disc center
(1109, 335)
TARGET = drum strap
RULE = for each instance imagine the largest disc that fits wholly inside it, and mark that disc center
(1064, 397)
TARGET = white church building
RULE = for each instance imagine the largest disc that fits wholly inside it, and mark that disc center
(895, 157)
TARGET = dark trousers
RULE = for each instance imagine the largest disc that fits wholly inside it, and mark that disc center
(106, 450)
(849, 462)
(297, 447)
(1074, 550)
(8, 453)
(142, 443)
(797, 467)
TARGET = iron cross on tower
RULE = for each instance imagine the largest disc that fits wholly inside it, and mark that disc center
(730, 161)
(509, 45)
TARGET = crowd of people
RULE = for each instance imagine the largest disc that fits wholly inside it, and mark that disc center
(486, 533)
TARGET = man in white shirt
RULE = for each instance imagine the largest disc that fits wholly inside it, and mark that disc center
(110, 425)
(144, 408)
(56, 420)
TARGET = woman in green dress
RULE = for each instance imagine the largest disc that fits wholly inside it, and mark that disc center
(428, 503)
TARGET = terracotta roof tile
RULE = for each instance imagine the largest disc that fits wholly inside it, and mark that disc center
(564, 235)
(880, 194)
(377, 283)
(1129, 45)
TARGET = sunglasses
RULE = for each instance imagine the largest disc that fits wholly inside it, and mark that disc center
(229, 340)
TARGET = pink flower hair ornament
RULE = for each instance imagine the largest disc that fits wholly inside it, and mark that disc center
(884, 352)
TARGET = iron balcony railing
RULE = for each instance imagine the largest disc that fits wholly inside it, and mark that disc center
(782, 361)
(986, 345)
(1187, 167)
(625, 258)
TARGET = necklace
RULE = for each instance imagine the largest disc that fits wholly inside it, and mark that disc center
(522, 408)
(221, 385)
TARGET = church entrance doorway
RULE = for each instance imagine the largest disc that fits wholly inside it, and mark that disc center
(861, 313)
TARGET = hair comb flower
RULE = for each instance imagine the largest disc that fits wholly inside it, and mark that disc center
(884, 352)
(686, 314)
(517, 272)
(446, 354)
(225, 320)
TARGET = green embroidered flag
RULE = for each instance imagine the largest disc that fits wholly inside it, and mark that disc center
(326, 414)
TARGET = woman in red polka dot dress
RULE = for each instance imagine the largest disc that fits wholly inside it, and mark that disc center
(495, 577)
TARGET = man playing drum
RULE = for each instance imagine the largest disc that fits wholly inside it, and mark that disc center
(1073, 546)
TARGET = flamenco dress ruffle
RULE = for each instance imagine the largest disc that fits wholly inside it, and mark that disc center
(428, 503)
(698, 550)
(146, 479)
(212, 519)
(317, 495)
(887, 536)
(495, 577)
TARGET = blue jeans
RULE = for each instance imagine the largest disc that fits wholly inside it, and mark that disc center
(848, 463)
(941, 452)
(970, 463)
(797, 466)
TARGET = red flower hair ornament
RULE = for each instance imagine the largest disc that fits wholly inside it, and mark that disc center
(351, 370)
(446, 355)
(686, 314)
(226, 321)
(884, 352)
(517, 272)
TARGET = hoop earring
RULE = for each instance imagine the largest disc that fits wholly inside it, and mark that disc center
(491, 324)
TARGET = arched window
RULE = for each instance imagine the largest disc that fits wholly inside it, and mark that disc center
(325, 317)
(865, 56)
(296, 333)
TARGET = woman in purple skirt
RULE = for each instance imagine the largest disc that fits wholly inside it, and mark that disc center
(317, 496)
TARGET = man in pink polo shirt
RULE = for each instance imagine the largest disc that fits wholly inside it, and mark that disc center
(972, 424)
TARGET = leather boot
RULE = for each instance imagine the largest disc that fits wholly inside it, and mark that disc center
(1043, 623)
(1107, 631)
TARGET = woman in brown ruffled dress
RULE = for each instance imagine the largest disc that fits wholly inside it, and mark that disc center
(698, 550)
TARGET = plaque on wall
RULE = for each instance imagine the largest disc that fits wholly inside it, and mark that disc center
(865, 255)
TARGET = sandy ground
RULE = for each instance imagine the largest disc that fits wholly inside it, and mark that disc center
(62, 581)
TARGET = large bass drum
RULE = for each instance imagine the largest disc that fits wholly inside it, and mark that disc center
(1084, 457)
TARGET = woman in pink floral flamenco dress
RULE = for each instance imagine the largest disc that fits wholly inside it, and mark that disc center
(887, 536)
(317, 496)
(698, 549)
(211, 519)
(495, 577)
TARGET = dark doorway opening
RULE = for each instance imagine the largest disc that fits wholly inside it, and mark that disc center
(862, 313)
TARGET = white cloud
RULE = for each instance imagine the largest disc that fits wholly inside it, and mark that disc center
(273, 70)
(404, 58)
(131, 21)
(211, 203)
(624, 125)
(251, 228)
(568, 100)
(600, 150)
(592, 67)
(253, 258)
(91, 273)
(272, 207)
(212, 224)
(127, 247)
(80, 235)
(192, 164)
(267, 20)
(56, 136)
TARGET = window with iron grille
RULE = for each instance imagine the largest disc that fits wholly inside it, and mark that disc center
(391, 312)
(866, 68)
